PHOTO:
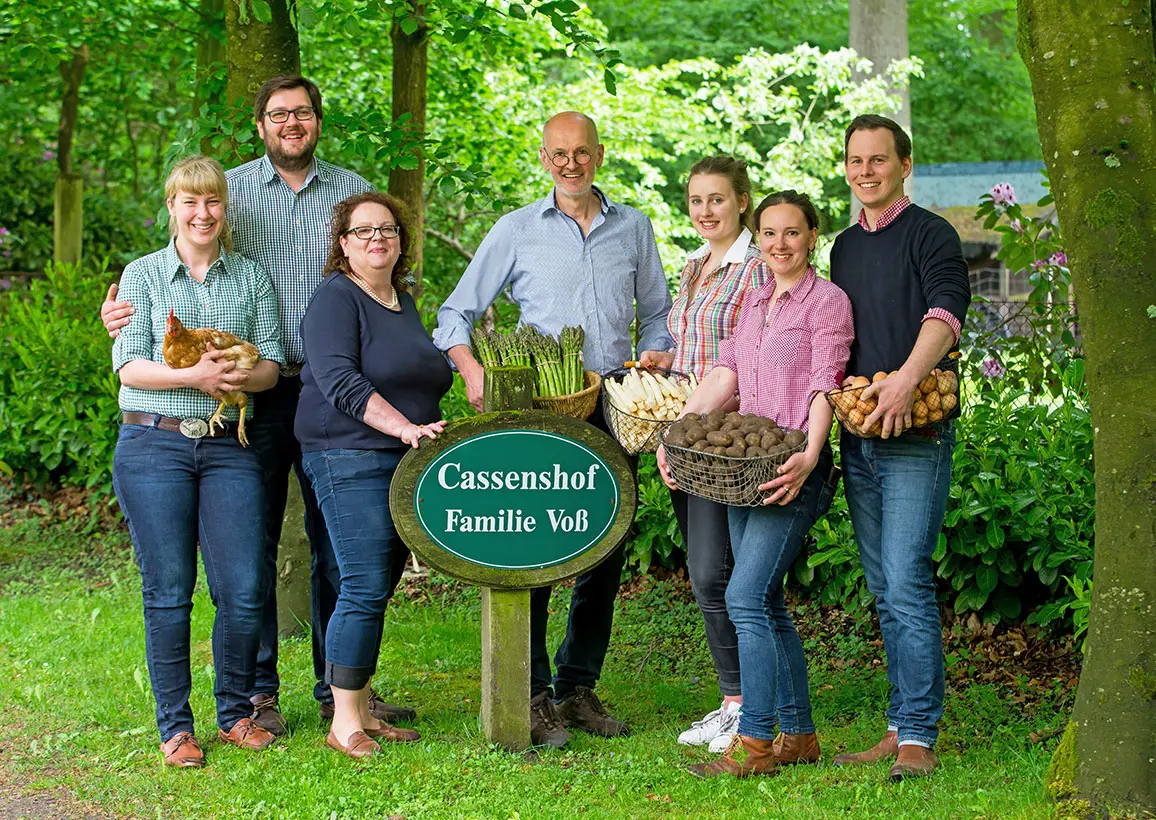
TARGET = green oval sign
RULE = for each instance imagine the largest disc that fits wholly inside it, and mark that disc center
(517, 499)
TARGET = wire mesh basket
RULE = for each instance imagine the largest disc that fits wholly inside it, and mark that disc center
(732, 480)
(937, 398)
(634, 433)
(580, 405)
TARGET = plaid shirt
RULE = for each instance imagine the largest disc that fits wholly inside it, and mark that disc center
(698, 325)
(287, 232)
(786, 353)
(236, 297)
(890, 213)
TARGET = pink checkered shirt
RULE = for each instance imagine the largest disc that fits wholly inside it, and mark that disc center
(699, 324)
(786, 353)
(890, 213)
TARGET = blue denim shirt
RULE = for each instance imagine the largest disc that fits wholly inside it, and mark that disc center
(559, 277)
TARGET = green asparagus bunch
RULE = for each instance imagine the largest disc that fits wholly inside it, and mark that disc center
(557, 362)
(571, 342)
(486, 348)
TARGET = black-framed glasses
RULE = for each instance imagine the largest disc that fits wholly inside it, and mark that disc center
(561, 160)
(301, 113)
(367, 232)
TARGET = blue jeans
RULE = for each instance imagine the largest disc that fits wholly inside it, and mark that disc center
(175, 492)
(897, 493)
(352, 488)
(271, 438)
(765, 541)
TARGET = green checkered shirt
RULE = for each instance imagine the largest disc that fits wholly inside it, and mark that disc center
(287, 233)
(237, 296)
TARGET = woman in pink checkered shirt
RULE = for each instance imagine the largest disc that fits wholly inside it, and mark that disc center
(712, 285)
(790, 345)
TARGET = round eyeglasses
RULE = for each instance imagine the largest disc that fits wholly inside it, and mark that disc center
(561, 160)
(301, 113)
(367, 232)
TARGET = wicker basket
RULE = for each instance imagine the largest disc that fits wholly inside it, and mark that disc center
(579, 405)
(634, 433)
(851, 410)
(729, 480)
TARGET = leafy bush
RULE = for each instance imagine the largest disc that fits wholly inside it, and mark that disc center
(656, 539)
(58, 394)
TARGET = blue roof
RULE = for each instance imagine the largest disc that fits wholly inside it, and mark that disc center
(951, 184)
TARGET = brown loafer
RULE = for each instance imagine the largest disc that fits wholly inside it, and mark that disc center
(393, 734)
(745, 756)
(246, 734)
(792, 749)
(885, 749)
(913, 761)
(267, 714)
(385, 712)
(183, 751)
(360, 745)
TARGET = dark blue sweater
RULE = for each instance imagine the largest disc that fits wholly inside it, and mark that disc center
(354, 348)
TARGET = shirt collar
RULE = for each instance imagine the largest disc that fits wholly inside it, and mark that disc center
(174, 265)
(889, 215)
(547, 203)
(798, 291)
(269, 173)
(737, 253)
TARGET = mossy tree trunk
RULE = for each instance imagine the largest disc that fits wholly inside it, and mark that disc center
(68, 196)
(1093, 68)
(258, 49)
(410, 36)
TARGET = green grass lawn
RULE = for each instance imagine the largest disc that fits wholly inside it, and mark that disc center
(78, 715)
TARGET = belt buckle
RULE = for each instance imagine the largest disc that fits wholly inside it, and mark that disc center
(290, 370)
(194, 428)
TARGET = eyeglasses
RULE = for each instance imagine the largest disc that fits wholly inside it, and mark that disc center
(302, 113)
(561, 160)
(367, 232)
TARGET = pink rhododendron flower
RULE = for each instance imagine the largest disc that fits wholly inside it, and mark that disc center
(992, 369)
(1017, 226)
(1002, 193)
(1038, 264)
(1059, 258)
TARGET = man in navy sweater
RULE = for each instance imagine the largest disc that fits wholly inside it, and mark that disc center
(904, 271)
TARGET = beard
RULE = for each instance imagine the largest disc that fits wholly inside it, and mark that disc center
(290, 162)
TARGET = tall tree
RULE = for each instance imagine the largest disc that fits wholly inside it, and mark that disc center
(1093, 67)
(261, 42)
(410, 36)
(68, 196)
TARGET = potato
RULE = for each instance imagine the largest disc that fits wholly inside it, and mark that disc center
(916, 395)
(794, 438)
(928, 384)
(676, 438)
(856, 418)
(947, 402)
(694, 432)
(919, 420)
(753, 452)
(753, 439)
(935, 415)
(737, 450)
(919, 408)
(847, 382)
(689, 417)
(710, 425)
(734, 417)
(860, 381)
(719, 438)
(700, 445)
(875, 429)
(932, 401)
(771, 438)
(878, 377)
(718, 451)
(948, 382)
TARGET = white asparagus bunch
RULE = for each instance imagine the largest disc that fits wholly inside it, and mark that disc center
(650, 395)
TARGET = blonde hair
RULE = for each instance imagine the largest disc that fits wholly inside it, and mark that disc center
(199, 175)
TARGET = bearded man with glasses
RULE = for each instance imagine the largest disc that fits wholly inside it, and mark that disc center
(574, 257)
(280, 207)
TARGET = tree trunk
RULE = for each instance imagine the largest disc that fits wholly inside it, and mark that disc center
(878, 32)
(211, 57)
(257, 51)
(410, 68)
(68, 196)
(1092, 68)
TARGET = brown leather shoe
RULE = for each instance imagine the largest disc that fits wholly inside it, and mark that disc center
(246, 734)
(745, 756)
(360, 745)
(792, 749)
(583, 710)
(546, 727)
(885, 749)
(385, 712)
(913, 761)
(393, 734)
(267, 714)
(183, 751)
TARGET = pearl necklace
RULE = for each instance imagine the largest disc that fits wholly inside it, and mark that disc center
(365, 286)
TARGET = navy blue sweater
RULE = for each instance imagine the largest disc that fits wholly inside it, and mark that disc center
(893, 277)
(354, 348)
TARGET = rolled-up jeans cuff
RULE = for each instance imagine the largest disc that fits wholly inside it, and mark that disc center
(916, 741)
(351, 678)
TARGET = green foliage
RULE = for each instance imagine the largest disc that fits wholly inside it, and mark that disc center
(58, 395)
(656, 539)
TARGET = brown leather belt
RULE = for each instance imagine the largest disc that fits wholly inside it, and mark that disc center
(189, 428)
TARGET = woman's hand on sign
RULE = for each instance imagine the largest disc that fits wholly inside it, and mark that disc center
(412, 434)
(792, 475)
(663, 469)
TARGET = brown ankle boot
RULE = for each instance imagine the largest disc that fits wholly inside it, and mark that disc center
(745, 756)
(913, 761)
(790, 749)
(885, 749)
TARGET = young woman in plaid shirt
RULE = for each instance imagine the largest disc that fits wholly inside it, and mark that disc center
(711, 290)
(790, 345)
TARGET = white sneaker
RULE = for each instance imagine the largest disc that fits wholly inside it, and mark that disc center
(722, 721)
(720, 743)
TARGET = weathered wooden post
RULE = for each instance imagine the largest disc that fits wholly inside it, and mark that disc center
(511, 500)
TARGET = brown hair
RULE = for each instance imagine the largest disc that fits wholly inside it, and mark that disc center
(343, 213)
(735, 170)
(200, 175)
(284, 82)
(790, 197)
(873, 122)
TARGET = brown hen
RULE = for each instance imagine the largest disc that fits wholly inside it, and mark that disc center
(184, 347)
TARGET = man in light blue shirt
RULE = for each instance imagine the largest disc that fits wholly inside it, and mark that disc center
(572, 258)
